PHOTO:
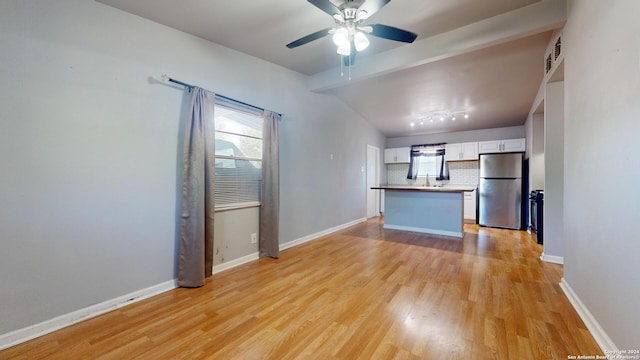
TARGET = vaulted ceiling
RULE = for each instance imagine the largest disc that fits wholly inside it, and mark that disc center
(484, 58)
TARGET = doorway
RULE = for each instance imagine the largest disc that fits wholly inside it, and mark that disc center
(373, 179)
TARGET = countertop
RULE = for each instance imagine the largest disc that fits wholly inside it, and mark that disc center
(451, 189)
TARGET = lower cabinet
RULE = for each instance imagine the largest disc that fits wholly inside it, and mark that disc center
(470, 206)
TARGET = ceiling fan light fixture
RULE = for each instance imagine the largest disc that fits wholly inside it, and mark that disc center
(344, 49)
(362, 15)
(360, 41)
(341, 36)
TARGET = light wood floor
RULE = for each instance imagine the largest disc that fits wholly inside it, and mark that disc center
(362, 293)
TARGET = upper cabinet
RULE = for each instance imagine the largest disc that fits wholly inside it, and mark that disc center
(498, 146)
(463, 151)
(397, 155)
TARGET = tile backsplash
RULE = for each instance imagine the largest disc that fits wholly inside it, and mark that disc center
(460, 173)
(464, 172)
(397, 174)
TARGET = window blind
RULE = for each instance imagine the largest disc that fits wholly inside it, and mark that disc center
(238, 158)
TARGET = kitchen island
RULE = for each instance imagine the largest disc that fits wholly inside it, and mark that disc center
(425, 209)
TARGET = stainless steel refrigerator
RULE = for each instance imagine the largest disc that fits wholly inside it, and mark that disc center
(500, 190)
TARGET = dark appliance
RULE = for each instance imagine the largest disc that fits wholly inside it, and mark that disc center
(536, 201)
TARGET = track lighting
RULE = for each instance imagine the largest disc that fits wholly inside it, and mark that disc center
(442, 116)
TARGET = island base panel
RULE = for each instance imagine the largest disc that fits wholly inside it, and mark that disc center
(437, 213)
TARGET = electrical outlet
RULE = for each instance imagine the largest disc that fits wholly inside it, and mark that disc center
(254, 238)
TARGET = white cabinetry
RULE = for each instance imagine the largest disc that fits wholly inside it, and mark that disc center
(470, 205)
(397, 155)
(498, 146)
(463, 151)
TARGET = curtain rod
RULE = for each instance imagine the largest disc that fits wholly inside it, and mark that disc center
(167, 78)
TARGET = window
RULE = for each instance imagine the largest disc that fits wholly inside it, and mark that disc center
(428, 165)
(238, 158)
(428, 159)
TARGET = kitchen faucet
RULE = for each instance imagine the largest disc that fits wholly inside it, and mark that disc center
(426, 180)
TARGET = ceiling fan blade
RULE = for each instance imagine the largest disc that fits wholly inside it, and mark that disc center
(392, 33)
(372, 6)
(309, 38)
(326, 6)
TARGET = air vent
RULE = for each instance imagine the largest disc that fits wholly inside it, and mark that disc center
(553, 55)
(557, 48)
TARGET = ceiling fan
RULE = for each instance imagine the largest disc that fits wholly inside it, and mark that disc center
(350, 33)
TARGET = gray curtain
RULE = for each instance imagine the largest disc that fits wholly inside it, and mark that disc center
(196, 223)
(270, 210)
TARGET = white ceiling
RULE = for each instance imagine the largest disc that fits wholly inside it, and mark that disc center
(484, 57)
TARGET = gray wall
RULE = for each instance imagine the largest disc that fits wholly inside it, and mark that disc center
(536, 158)
(513, 132)
(534, 129)
(554, 170)
(602, 163)
(90, 143)
(232, 234)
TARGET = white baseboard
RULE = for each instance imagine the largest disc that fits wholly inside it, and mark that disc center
(552, 259)
(31, 332)
(236, 262)
(308, 238)
(601, 337)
